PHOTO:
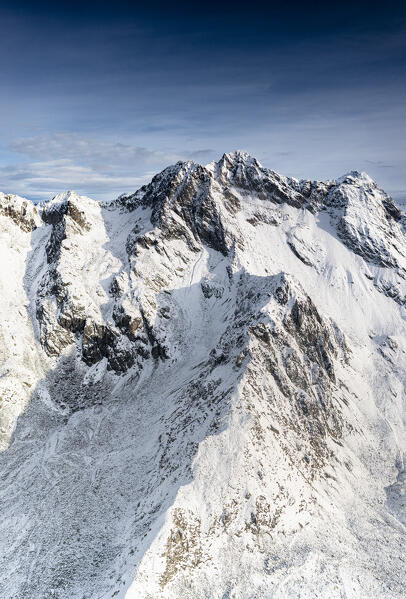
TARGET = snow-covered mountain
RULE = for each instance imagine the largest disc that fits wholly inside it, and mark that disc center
(202, 390)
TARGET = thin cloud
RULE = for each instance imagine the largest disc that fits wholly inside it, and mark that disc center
(39, 180)
(89, 151)
(380, 164)
(98, 168)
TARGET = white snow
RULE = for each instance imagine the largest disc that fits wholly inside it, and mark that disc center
(190, 479)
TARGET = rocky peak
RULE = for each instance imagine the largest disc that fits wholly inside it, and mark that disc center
(182, 205)
(66, 204)
(367, 219)
(244, 172)
(234, 164)
(21, 211)
(361, 179)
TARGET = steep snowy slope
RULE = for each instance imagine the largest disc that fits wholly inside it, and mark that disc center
(202, 390)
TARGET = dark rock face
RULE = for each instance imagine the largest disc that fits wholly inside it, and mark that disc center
(391, 209)
(120, 345)
(367, 247)
(313, 337)
(210, 288)
(58, 216)
(246, 173)
(390, 289)
(64, 317)
(298, 254)
(55, 213)
(68, 319)
(96, 342)
(67, 389)
(54, 244)
(129, 325)
(299, 353)
(262, 217)
(366, 219)
(182, 207)
(22, 212)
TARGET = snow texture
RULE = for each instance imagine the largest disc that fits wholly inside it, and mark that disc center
(202, 390)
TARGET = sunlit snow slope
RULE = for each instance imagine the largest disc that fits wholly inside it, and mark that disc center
(202, 390)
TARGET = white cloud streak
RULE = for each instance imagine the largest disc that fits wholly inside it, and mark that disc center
(98, 168)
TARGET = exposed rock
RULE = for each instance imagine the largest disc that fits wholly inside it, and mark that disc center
(22, 212)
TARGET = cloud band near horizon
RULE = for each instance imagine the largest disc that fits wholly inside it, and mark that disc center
(99, 98)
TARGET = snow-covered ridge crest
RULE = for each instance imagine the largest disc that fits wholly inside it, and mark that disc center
(202, 389)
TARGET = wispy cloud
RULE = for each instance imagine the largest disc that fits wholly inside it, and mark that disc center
(380, 164)
(40, 180)
(103, 169)
(71, 146)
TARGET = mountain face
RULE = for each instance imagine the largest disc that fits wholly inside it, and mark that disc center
(202, 390)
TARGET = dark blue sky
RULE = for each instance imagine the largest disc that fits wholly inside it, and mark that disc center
(98, 96)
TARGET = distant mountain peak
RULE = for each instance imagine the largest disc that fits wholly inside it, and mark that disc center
(357, 177)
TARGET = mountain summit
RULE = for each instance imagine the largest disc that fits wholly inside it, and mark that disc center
(202, 389)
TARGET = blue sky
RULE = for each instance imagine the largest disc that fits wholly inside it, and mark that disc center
(99, 96)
